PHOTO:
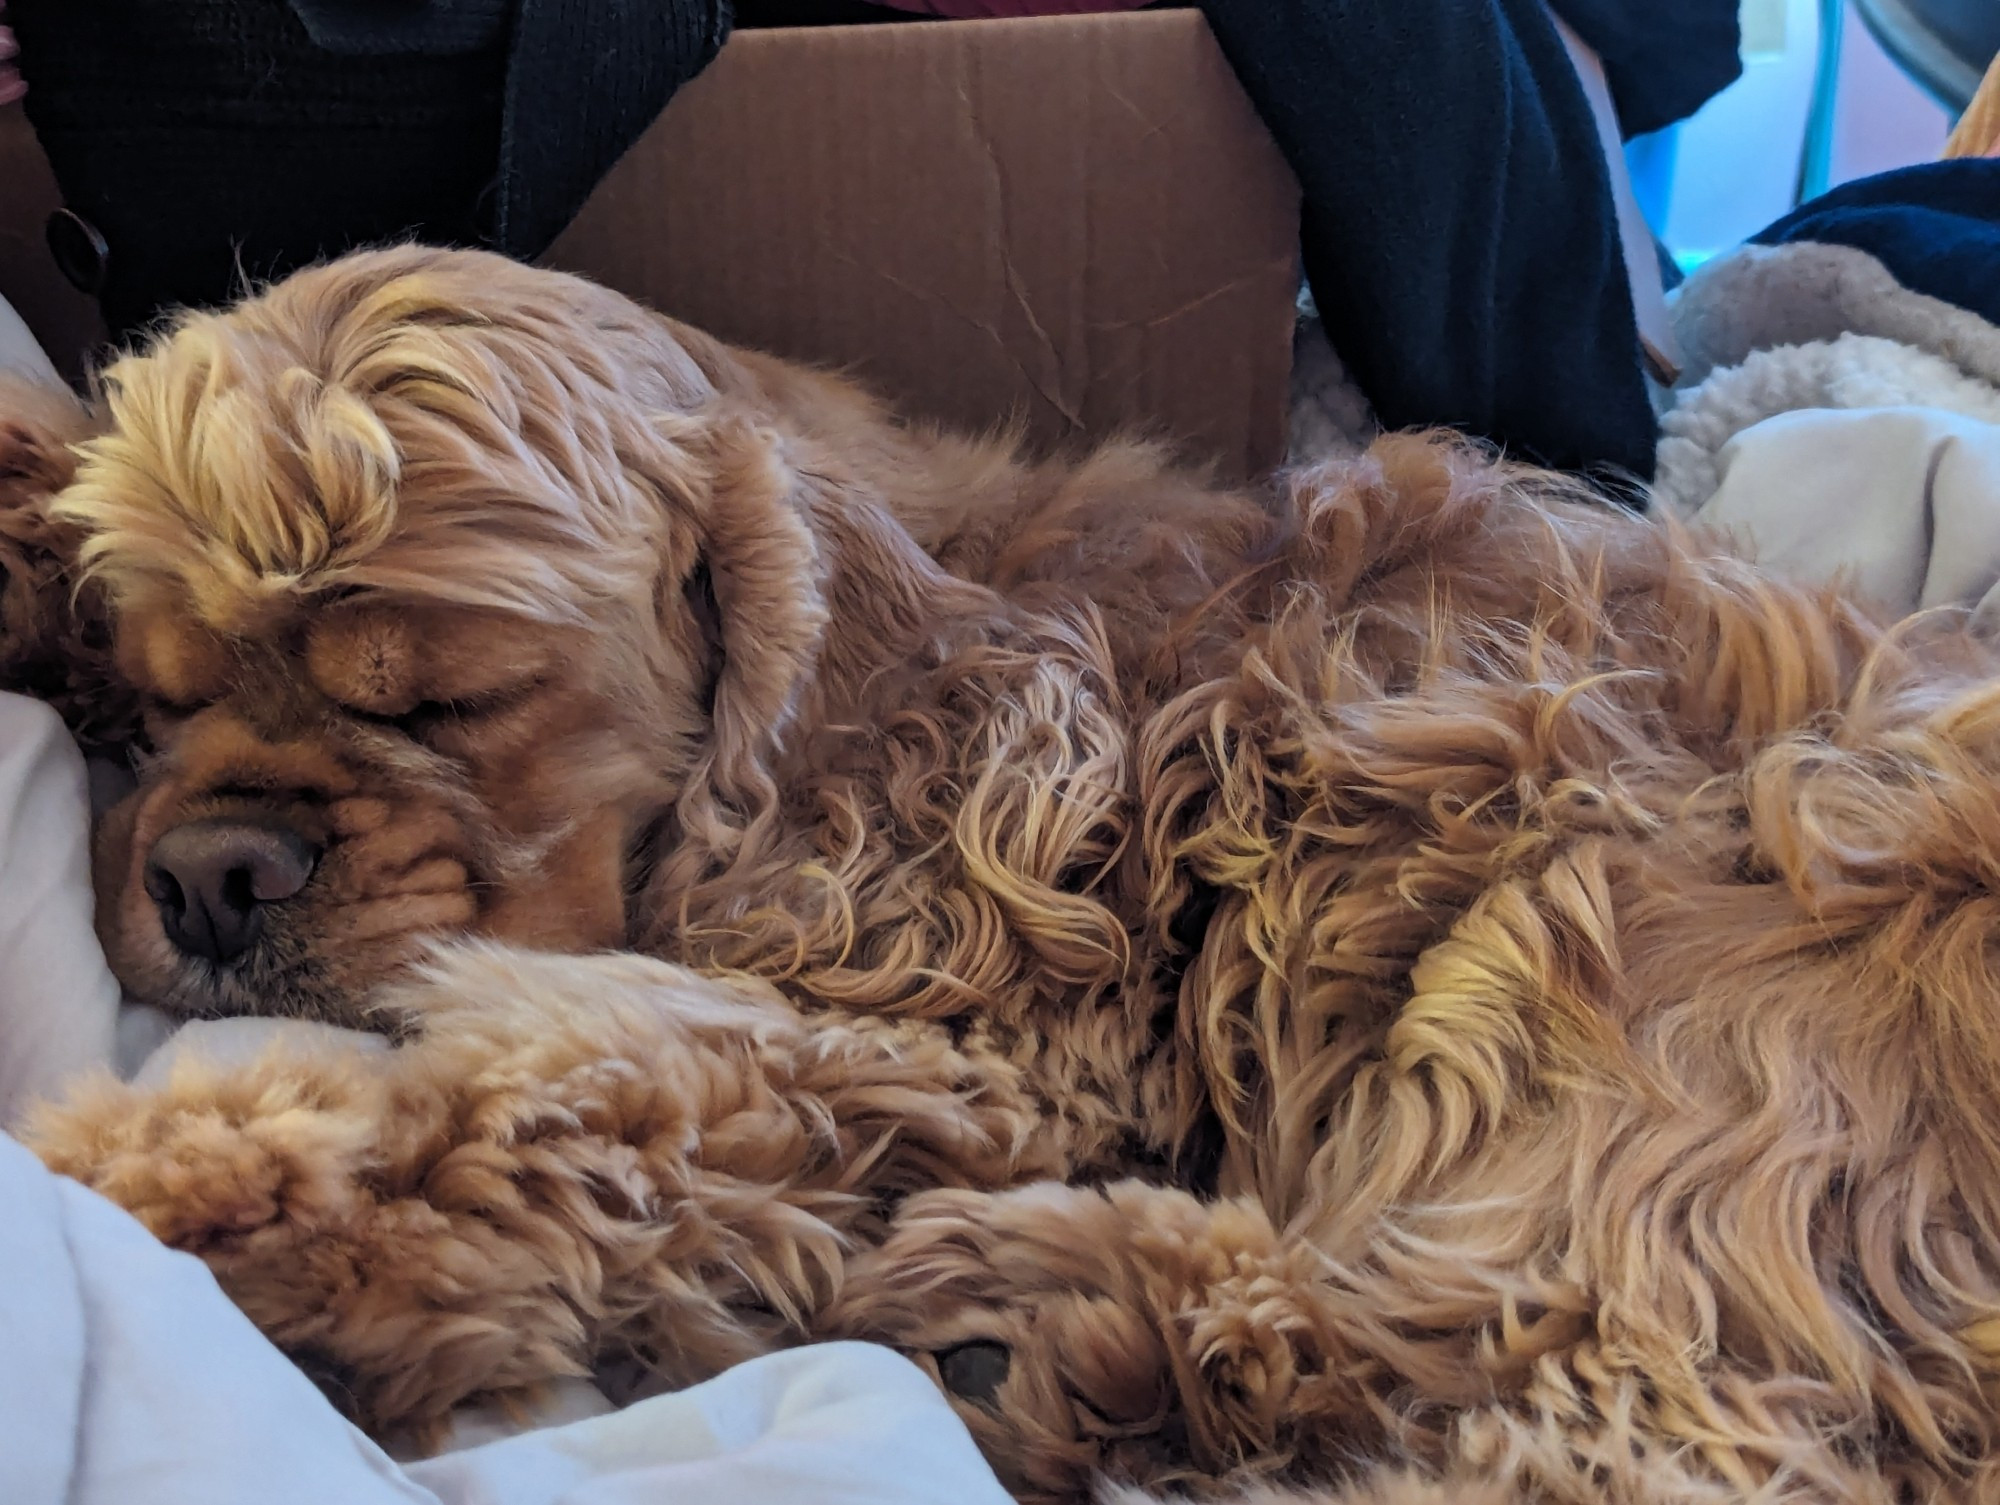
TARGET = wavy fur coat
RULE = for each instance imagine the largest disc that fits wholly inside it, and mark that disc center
(1413, 987)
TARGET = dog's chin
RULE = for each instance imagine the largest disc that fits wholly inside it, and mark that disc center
(264, 985)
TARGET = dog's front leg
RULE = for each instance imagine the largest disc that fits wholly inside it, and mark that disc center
(1139, 1334)
(1131, 1332)
(573, 1156)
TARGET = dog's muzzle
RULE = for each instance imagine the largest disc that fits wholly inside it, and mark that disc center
(212, 881)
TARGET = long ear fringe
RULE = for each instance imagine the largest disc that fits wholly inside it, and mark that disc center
(54, 633)
(765, 570)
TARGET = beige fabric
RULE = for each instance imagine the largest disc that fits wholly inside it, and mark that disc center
(18, 351)
(1900, 504)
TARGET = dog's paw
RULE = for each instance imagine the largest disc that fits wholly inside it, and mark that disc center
(1031, 1314)
(1130, 1333)
(217, 1152)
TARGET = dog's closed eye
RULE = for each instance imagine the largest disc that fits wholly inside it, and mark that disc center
(427, 716)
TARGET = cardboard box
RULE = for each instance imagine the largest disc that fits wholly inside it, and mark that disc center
(1075, 223)
(1977, 133)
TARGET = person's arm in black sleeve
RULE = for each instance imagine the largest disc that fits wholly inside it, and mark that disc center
(1665, 59)
(1459, 232)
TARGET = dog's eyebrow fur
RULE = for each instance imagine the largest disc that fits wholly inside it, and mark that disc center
(304, 445)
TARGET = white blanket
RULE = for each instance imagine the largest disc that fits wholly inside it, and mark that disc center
(127, 1377)
(1839, 427)
(58, 1000)
(1900, 505)
(1856, 460)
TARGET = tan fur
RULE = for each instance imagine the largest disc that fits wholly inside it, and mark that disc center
(55, 643)
(1414, 988)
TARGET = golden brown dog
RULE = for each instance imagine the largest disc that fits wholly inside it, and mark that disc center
(1417, 980)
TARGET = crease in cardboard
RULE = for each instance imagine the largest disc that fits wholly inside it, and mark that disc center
(999, 340)
(1214, 295)
(1003, 241)
(1075, 222)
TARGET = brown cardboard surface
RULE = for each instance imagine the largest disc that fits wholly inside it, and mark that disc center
(1076, 222)
(1642, 263)
(1977, 133)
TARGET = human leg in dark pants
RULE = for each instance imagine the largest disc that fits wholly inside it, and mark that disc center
(1459, 233)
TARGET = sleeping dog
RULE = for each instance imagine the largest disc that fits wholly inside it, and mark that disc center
(1406, 981)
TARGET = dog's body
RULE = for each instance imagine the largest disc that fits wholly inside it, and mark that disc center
(1422, 976)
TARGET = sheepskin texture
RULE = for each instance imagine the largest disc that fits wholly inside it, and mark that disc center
(1763, 297)
(1865, 456)
(1853, 373)
(1413, 987)
(1329, 418)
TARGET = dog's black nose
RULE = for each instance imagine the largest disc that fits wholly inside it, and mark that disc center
(212, 879)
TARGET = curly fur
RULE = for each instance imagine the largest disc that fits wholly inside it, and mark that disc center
(1414, 987)
(55, 641)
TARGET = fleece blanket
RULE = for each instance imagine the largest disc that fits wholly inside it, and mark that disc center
(1838, 416)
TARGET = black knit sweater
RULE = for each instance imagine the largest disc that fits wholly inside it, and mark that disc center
(214, 141)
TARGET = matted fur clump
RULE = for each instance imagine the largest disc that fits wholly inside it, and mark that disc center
(1414, 987)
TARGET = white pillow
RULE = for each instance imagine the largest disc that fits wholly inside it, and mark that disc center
(58, 999)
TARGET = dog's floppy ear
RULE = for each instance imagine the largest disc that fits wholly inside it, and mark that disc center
(55, 642)
(754, 594)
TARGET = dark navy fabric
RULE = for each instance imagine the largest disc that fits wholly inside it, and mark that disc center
(1459, 231)
(1936, 227)
(1664, 59)
(210, 141)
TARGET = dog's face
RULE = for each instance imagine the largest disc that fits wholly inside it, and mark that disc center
(422, 568)
(349, 779)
